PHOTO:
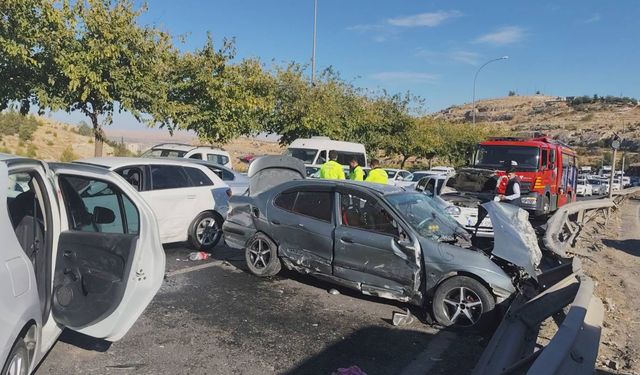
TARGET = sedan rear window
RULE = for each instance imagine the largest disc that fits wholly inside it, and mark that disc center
(198, 177)
(315, 204)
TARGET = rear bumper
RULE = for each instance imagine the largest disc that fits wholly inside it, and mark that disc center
(236, 235)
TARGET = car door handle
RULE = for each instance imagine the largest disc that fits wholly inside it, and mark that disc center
(191, 196)
(346, 239)
(275, 222)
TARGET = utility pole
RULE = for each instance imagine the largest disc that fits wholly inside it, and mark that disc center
(615, 144)
(313, 52)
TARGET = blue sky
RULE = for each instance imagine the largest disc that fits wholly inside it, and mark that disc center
(432, 48)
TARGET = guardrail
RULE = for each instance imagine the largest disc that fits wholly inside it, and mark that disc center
(566, 223)
(574, 347)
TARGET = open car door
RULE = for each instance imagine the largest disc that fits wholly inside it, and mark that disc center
(109, 262)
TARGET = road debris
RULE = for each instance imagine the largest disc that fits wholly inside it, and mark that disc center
(199, 255)
(402, 319)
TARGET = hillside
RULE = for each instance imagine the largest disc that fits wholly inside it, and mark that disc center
(49, 140)
(585, 126)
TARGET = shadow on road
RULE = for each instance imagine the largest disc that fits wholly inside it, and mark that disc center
(379, 350)
(631, 246)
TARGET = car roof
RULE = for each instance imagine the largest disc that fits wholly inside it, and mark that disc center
(4, 157)
(201, 162)
(185, 147)
(382, 189)
(117, 162)
(327, 143)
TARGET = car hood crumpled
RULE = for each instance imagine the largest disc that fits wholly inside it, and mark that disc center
(266, 172)
(514, 238)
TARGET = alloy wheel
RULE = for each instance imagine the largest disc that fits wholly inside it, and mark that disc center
(463, 306)
(260, 253)
(207, 231)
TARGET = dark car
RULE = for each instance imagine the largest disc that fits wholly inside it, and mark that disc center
(378, 239)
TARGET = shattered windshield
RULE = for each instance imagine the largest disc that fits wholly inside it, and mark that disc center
(425, 217)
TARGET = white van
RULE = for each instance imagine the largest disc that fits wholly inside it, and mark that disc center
(179, 150)
(313, 151)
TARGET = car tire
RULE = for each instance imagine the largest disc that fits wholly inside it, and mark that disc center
(202, 236)
(462, 302)
(261, 254)
(18, 360)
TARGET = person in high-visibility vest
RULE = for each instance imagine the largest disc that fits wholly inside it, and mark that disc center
(377, 174)
(356, 173)
(332, 170)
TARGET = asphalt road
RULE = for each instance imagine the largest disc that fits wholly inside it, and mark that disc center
(214, 317)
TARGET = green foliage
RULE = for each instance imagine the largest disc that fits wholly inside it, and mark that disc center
(512, 93)
(84, 129)
(68, 155)
(119, 148)
(32, 151)
(609, 99)
(5, 150)
(50, 143)
(89, 56)
(12, 123)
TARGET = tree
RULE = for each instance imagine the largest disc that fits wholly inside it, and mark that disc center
(26, 28)
(93, 58)
(217, 100)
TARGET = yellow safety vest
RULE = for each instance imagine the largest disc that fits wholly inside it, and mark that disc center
(332, 170)
(356, 174)
(377, 175)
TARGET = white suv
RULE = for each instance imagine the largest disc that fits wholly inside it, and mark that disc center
(80, 250)
(190, 200)
(179, 150)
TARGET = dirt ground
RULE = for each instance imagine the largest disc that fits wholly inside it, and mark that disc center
(610, 255)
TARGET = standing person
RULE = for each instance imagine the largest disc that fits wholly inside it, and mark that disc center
(356, 173)
(332, 170)
(512, 193)
(377, 174)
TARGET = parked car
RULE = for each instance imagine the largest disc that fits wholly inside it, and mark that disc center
(180, 150)
(380, 240)
(398, 176)
(190, 200)
(464, 205)
(597, 186)
(449, 171)
(584, 188)
(237, 181)
(81, 251)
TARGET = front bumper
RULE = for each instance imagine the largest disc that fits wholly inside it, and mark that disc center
(532, 202)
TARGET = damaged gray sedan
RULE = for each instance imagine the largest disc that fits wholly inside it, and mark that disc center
(380, 240)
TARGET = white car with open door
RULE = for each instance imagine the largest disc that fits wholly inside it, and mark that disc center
(190, 201)
(81, 250)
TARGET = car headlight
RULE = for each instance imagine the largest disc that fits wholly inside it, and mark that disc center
(452, 210)
(529, 201)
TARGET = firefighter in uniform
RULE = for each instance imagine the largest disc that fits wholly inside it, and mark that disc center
(356, 173)
(332, 170)
(377, 174)
(512, 193)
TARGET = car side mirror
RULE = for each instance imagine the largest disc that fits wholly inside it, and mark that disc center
(103, 215)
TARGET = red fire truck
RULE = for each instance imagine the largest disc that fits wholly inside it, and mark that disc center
(547, 169)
